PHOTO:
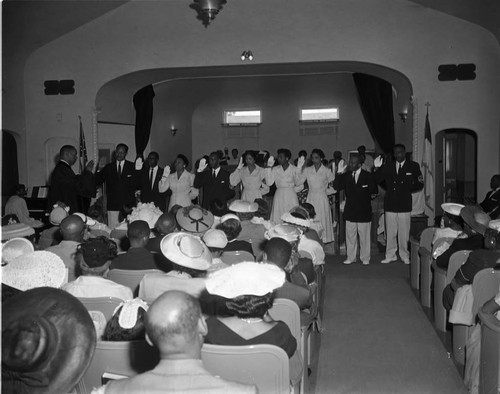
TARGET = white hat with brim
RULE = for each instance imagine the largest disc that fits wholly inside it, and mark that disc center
(242, 206)
(247, 278)
(16, 247)
(36, 269)
(287, 217)
(86, 219)
(57, 215)
(186, 250)
(494, 224)
(228, 216)
(215, 239)
(16, 230)
(452, 208)
(288, 232)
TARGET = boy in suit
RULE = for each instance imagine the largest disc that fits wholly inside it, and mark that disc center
(359, 186)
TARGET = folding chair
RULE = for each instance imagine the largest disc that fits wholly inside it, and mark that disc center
(489, 370)
(106, 305)
(414, 263)
(117, 360)
(425, 253)
(237, 256)
(266, 366)
(130, 278)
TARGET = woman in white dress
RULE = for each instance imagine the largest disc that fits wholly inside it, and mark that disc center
(251, 177)
(289, 181)
(180, 182)
(318, 177)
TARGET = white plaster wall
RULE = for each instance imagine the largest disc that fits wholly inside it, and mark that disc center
(152, 34)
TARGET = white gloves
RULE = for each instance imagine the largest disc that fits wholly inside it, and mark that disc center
(166, 171)
(301, 162)
(342, 167)
(138, 163)
(378, 162)
(203, 165)
(270, 161)
(240, 164)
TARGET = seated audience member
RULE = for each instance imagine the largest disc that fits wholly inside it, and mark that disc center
(94, 258)
(491, 203)
(475, 224)
(16, 205)
(175, 325)
(248, 289)
(127, 323)
(190, 260)
(216, 241)
(218, 209)
(137, 257)
(40, 351)
(479, 259)
(231, 226)
(98, 227)
(194, 219)
(278, 252)
(315, 223)
(165, 225)
(252, 231)
(72, 229)
(52, 236)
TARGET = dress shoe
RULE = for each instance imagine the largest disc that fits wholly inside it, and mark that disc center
(406, 261)
(347, 262)
(388, 260)
(366, 262)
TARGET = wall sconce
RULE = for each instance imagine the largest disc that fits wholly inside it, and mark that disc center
(173, 130)
(247, 55)
(403, 116)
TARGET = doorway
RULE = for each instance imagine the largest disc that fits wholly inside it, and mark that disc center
(456, 167)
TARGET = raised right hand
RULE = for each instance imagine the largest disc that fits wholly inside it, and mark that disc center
(166, 171)
(342, 166)
(270, 162)
(240, 164)
(138, 163)
(202, 165)
(378, 162)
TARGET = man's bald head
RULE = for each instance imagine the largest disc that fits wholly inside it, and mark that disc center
(72, 228)
(277, 251)
(166, 223)
(174, 324)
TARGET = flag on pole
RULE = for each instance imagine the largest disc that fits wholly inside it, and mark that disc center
(428, 165)
(83, 148)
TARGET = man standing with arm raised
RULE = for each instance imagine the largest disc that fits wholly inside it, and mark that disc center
(402, 178)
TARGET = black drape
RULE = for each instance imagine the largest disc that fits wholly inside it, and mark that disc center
(10, 171)
(375, 99)
(143, 104)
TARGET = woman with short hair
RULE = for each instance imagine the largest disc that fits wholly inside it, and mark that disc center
(179, 182)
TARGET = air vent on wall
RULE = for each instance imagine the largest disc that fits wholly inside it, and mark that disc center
(318, 129)
(242, 132)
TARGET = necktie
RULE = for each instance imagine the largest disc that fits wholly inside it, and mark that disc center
(354, 176)
(214, 174)
(120, 168)
(151, 178)
(399, 168)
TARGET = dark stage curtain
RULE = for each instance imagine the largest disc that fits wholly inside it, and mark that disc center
(143, 104)
(375, 99)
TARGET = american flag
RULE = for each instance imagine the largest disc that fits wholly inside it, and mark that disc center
(427, 164)
(83, 148)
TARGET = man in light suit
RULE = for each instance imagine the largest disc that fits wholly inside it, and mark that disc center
(66, 186)
(214, 180)
(121, 183)
(402, 178)
(149, 178)
(359, 186)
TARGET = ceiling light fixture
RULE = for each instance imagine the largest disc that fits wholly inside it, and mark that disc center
(207, 9)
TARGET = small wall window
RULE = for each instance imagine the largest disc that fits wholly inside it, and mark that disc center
(330, 114)
(242, 118)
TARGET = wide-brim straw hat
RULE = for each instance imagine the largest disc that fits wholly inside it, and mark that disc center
(86, 219)
(452, 208)
(16, 230)
(16, 247)
(476, 218)
(288, 232)
(215, 239)
(48, 340)
(287, 217)
(186, 250)
(194, 219)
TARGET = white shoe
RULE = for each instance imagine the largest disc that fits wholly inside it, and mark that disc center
(406, 261)
(366, 262)
(388, 260)
(347, 262)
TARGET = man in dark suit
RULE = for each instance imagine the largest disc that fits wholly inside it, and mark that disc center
(149, 177)
(491, 203)
(402, 178)
(121, 183)
(359, 186)
(65, 185)
(214, 180)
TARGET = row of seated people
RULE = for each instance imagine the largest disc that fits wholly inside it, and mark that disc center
(191, 258)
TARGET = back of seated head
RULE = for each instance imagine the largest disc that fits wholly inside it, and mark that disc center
(172, 323)
(231, 227)
(278, 251)
(96, 212)
(218, 208)
(72, 228)
(127, 323)
(174, 209)
(166, 223)
(310, 209)
(248, 305)
(95, 253)
(138, 233)
(193, 273)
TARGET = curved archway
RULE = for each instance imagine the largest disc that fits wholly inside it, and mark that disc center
(456, 166)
